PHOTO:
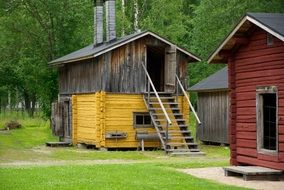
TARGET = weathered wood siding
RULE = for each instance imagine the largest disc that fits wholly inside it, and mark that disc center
(255, 64)
(118, 70)
(213, 114)
(95, 115)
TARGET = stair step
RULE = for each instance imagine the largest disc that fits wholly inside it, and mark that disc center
(178, 137)
(172, 131)
(165, 103)
(169, 93)
(179, 144)
(154, 109)
(161, 114)
(162, 97)
(183, 126)
(180, 120)
(184, 150)
(190, 154)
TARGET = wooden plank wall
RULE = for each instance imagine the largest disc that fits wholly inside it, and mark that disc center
(84, 119)
(95, 115)
(119, 70)
(213, 113)
(255, 65)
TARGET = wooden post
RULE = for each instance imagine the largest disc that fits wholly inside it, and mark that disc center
(142, 145)
(167, 136)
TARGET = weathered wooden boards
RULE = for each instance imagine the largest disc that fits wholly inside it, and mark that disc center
(253, 173)
(255, 64)
(118, 70)
(213, 114)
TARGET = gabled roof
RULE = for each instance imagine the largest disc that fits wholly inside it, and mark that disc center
(215, 82)
(273, 23)
(91, 51)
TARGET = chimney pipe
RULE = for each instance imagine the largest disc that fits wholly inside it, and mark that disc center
(98, 22)
(110, 20)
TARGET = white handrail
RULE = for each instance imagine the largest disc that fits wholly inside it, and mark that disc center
(157, 95)
(186, 96)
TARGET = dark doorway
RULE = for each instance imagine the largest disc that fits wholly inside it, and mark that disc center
(156, 66)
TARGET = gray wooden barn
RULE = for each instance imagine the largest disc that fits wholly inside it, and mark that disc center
(212, 106)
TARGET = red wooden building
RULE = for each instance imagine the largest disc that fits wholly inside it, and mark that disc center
(254, 52)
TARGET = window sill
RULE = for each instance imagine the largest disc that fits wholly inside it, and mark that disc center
(268, 152)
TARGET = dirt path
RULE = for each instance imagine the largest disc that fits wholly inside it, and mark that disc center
(40, 163)
(217, 174)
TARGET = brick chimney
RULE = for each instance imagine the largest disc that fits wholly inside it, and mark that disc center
(98, 22)
(110, 20)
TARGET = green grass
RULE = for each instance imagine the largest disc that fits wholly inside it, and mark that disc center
(153, 170)
(127, 176)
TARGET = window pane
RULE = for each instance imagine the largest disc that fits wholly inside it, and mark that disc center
(269, 121)
(139, 119)
(147, 120)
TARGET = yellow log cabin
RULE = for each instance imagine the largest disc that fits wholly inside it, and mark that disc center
(126, 92)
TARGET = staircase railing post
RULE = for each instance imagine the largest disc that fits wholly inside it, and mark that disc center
(187, 98)
(148, 92)
(177, 91)
(167, 136)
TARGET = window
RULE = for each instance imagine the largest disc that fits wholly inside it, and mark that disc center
(142, 119)
(269, 39)
(267, 128)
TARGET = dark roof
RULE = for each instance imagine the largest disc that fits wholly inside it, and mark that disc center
(272, 23)
(215, 82)
(91, 51)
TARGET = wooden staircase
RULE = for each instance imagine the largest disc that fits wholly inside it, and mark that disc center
(176, 139)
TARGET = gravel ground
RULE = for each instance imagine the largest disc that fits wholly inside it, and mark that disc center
(217, 174)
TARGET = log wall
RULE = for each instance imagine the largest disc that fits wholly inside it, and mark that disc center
(255, 64)
(95, 115)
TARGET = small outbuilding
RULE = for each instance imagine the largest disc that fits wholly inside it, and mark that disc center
(121, 92)
(254, 52)
(212, 106)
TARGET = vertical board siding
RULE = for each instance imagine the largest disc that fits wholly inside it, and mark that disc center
(213, 112)
(119, 70)
(254, 65)
(95, 115)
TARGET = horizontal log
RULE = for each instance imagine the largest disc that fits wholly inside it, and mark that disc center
(246, 143)
(257, 162)
(247, 151)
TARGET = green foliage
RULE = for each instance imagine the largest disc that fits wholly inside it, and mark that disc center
(34, 32)
(212, 22)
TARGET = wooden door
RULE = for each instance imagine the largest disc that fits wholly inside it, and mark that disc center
(170, 69)
(56, 119)
(66, 120)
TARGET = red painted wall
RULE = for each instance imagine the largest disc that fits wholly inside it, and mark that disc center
(254, 64)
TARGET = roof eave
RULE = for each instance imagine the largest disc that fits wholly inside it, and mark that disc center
(243, 20)
(192, 56)
(209, 90)
(223, 43)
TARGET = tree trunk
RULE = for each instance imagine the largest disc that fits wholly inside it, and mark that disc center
(27, 100)
(136, 14)
(33, 106)
(123, 17)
